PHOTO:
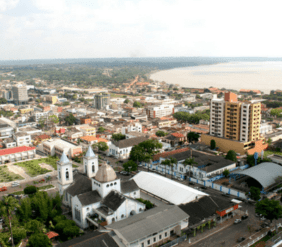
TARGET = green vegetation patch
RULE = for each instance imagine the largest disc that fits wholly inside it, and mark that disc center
(7, 176)
(45, 187)
(269, 152)
(33, 168)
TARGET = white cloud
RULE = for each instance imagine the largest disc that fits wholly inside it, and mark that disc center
(8, 4)
(102, 28)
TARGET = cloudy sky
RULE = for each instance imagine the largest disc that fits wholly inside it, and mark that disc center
(38, 29)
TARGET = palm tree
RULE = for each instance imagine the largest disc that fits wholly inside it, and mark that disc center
(191, 161)
(169, 162)
(8, 205)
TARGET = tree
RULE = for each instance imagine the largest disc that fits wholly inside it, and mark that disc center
(270, 209)
(126, 101)
(101, 129)
(193, 137)
(3, 101)
(19, 234)
(8, 205)
(34, 226)
(231, 155)
(41, 122)
(54, 119)
(70, 119)
(39, 240)
(161, 133)
(254, 193)
(269, 141)
(213, 144)
(190, 161)
(102, 146)
(145, 150)
(118, 136)
(276, 112)
(169, 163)
(226, 173)
(137, 104)
(30, 190)
(70, 232)
(130, 166)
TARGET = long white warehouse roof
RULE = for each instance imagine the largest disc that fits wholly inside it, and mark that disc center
(166, 188)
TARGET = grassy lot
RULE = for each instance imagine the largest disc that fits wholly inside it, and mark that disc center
(45, 187)
(113, 95)
(269, 152)
(7, 176)
(33, 168)
(52, 161)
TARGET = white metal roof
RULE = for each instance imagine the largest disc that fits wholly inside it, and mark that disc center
(265, 173)
(166, 188)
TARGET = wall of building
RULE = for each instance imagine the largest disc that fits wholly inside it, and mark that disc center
(224, 144)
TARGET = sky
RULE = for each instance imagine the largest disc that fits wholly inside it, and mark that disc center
(49, 29)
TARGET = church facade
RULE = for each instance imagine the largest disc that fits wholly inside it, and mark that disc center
(96, 194)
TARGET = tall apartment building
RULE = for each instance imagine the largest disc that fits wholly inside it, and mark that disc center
(101, 101)
(234, 120)
(159, 111)
(20, 94)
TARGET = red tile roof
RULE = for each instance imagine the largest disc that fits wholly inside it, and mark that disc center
(15, 150)
(44, 136)
(178, 135)
(165, 154)
(52, 234)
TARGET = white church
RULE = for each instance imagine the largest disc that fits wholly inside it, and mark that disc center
(97, 192)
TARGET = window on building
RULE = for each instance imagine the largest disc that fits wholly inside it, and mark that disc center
(165, 234)
(160, 237)
(67, 176)
(142, 244)
(154, 239)
(148, 241)
(77, 214)
(93, 168)
(59, 174)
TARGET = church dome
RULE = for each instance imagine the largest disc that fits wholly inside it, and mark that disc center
(105, 173)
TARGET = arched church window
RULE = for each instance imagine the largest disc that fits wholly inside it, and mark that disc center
(107, 185)
(111, 184)
(67, 176)
(59, 174)
(93, 168)
(122, 216)
(92, 163)
(115, 183)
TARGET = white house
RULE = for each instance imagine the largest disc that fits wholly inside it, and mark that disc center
(97, 195)
(22, 139)
(122, 148)
(132, 128)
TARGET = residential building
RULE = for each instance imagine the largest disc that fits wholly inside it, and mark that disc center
(265, 128)
(38, 114)
(101, 100)
(22, 139)
(25, 110)
(92, 140)
(87, 130)
(51, 99)
(85, 120)
(132, 128)
(151, 228)
(234, 125)
(6, 131)
(17, 153)
(121, 149)
(20, 94)
(96, 193)
(159, 111)
(58, 146)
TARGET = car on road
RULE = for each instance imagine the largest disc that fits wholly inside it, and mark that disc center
(258, 215)
(262, 218)
(244, 217)
(140, 165)
(237, 221)
(204, 187)
(224, 194)
(191, 183)
(180, 179)
(239, 240)
(15, 184)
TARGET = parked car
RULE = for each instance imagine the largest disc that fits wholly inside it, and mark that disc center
(244, 217)
(140, 165)
(262, 218)
(224, 194)
(258, 215)
(204, 187)
(191, 183)
(239, 240)
(180, 179)
(237, 221)
(15, 185)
